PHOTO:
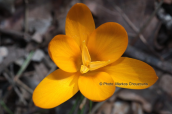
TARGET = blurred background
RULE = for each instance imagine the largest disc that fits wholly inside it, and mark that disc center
(27, 26)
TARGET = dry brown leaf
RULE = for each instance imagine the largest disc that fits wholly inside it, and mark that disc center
(106, 108)
(165, 83)
(128, 95)
(136, 108)
(120, 108)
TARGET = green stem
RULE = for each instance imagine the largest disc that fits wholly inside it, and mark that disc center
(25, 64)
(75, 105)
(91, 104)
(5, 107)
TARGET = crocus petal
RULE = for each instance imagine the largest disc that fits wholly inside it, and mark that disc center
(96, 86)
(65, 53)
(135, 73)
(56, 88)
(79, 23)
(107, 42)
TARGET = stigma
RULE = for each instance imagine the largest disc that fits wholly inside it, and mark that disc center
(84, 69)
(86, 60)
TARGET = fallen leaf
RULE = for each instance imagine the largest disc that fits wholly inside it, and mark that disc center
(106, 108)
(120, 107)
(38, 55)
(128, 95)
(165, 83)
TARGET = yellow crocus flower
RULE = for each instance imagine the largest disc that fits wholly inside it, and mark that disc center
(90, 61)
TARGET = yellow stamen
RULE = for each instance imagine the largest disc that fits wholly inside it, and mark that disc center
(84, 69)
(98, 64)
(86, 59)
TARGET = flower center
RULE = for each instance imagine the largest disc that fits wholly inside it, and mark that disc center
(86, 60)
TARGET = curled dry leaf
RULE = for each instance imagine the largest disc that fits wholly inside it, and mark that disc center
(137, 108)
(120, 108)
(106, 108)
(128, 95)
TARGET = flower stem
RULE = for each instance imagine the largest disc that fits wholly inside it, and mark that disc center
(91, 103)
(5, 107)
(78, 100)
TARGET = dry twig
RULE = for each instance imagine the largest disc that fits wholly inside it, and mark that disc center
(16, 34)
(83, 103)
(15, 88)
(142, 38)
(135, 53)
(24, 86)
(147, 23)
